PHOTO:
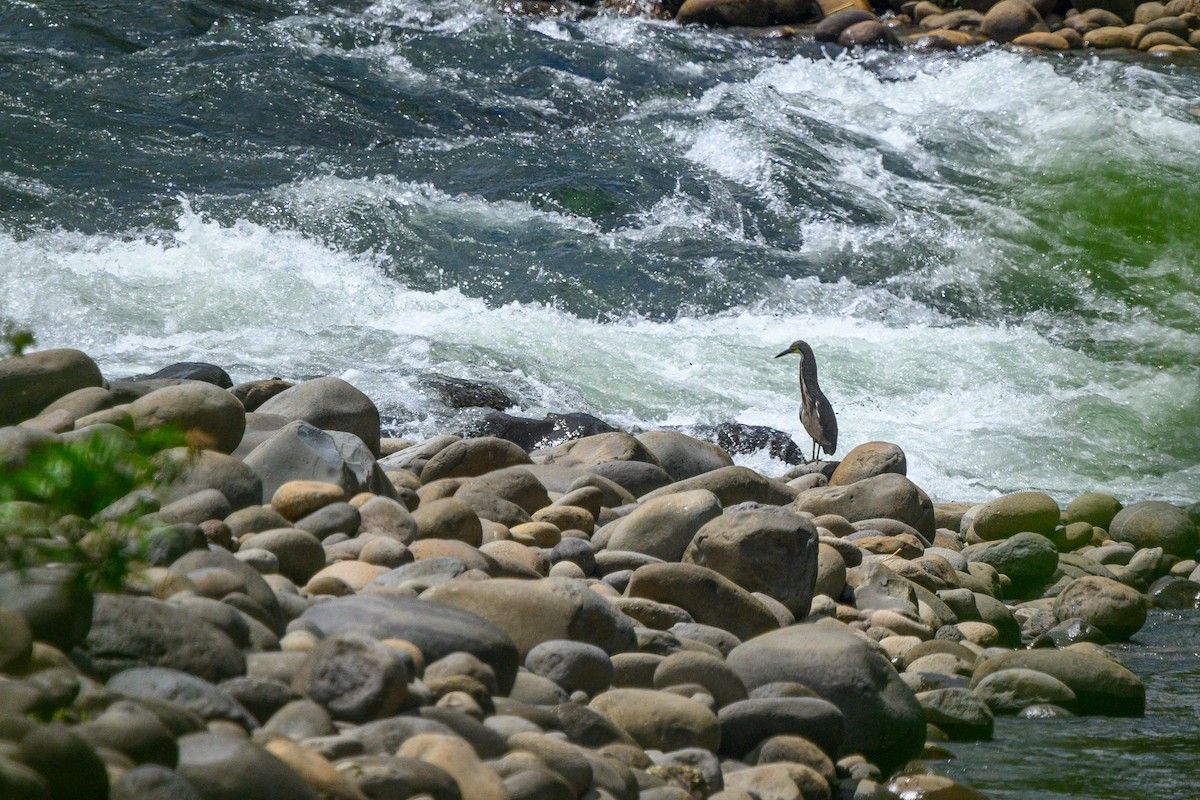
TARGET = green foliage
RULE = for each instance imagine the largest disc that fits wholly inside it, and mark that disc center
(14, 340)
(58, 504)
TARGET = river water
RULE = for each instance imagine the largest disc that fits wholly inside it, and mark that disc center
(992, 253)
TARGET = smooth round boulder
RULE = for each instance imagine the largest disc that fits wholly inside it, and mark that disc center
(299, 451)
(748, 723)
(448, 518)
(1011, 690)
(683, 456)
(132, 632)
(704, 669)
(830, 27)
(207, 469)
(1008, 19)
(435, 628)
(1113, 607)
(209, 418)
(1154, 523)
(768, 550)
(884, 721)
(1026, 558)
(468, 458)
(199, 696)
(153, 782)
(532, 612)
(295, 500)
(575, 666)
(299, 553)
(870, 458)
(888, 496)
(1094, 508)
(958, 712)
(708, 596)
(1014, 513)
(1105, 38)
(16, 642)
(131, 728)
(454, 755)
(596, 449)
(330, 404)
(516, 485)
(663, 527)
(71, 768)
(660, 720)
(383, 516)
(33, 381)
(230, 768)
(355, 677)
(1101, 685)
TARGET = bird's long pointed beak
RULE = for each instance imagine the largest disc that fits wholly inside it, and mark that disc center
(784, 353)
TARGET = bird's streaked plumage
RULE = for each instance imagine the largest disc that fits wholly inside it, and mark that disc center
(816, 413)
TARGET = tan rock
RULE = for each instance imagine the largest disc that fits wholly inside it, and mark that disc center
(1042, 41)
(452, 754)
(296, 499)
(1107, 38)
(315, 770)
(353, 574)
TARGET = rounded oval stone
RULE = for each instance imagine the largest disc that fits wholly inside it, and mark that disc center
(1116, 609)
(227, 768)
(330, 404)
(209, 417)
(1021, 511)
(572, 665)
(30, 382)
(1010, 690)
(448, 518)
(746, 724)
(299, 553)
(870, 458)
(664, 526)
(1093, 508)
(689, 666)
(468, 458)
(355, 677)
(660, 720)
(1154, 523)
(1101, 686)
(71, 768)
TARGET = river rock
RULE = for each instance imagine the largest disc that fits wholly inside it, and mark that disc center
(683, 456)
(330, 404)
(490, 507)
(71, 768)
(199, 696)
(889, 496)
(384, 777)
(534, 434)
(1013, 513)
(532, 612)
(153, 782)
(452, 754)
(355, 677)
(435, 628)
(207, 469)
(884, 721)
(710, 598)
(1153, 523)
(663, 527)
(1122, 8)
(229, 768)
(1027, 558)
(660, 720)
(748, 723)
(1113, 607)
(468, 458)
(704, 669)
(239, 577)
(299, 553)
(1101, 686)
(517, 485)
(132, 729)
(337, 517)
(959, 712)
(870, 458)
(1042, 41)
(131, 632)
(771, 550)
(30, 382)
(300, 451)
(448, 518)
(572, 665)
(592, 450)
(254, 393)
(731, 485)
(300, 719)
(210, 418)
(388, 518)
(1008, 19)
(56, 610)
(1010, 690)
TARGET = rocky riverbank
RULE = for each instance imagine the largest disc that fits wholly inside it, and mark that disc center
(1119, 26)
(321, 611)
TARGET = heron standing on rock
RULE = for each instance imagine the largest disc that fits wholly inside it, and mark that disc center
(816, 414)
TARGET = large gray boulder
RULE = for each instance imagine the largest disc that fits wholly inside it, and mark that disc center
(468, 458)
(1101, 685)
(748, 723)
(56, 609)
(1113, 607)
(357, 678)
(210, 418)
(300, 451)
(710, 597)
(1011, 514)
(31, 382)
(532, 612)
(197, 695)
(330, 404)
(248, 581)
(887, 496)
(768, 550)
(207, 469)
(683, 456)
(884, 721)
(437, 629)
(130, 632)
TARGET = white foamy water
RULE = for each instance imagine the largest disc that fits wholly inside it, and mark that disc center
(980, 409)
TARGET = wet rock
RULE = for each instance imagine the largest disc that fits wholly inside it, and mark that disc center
(1011, 690)
(831, 27)
(1042, 41)
(464, 393)
(736, 438)
(536, 434)
(884, 721)
(1153, 523)
(1007, 20)
(30, 382)
(958, 712)
(1114, 608)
